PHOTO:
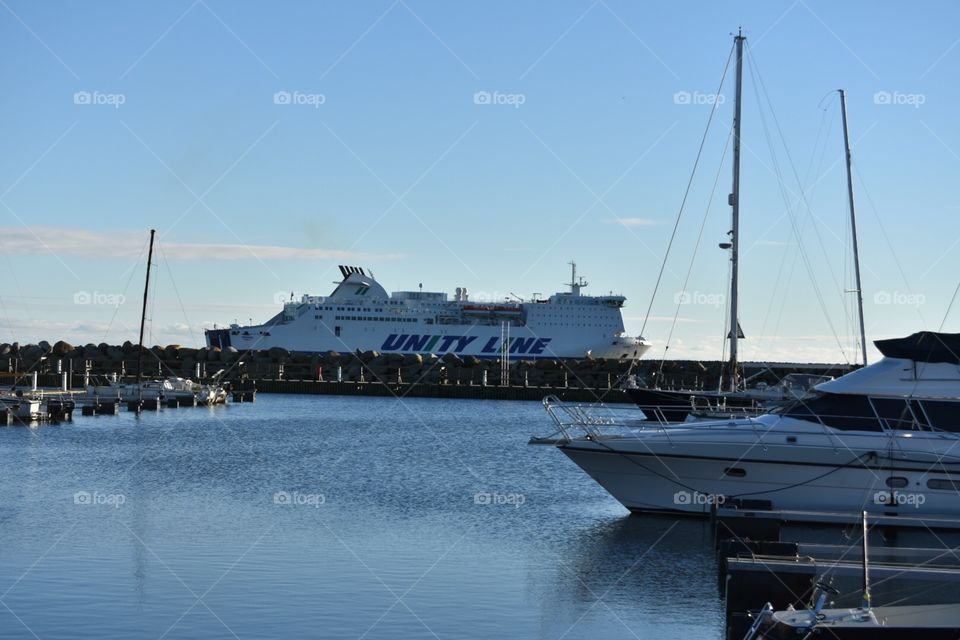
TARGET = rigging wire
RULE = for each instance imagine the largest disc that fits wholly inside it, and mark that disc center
(949, 307)
(823, 134)
(755, 73)
(811, 189)
(703, 223)
(152, 301)
(126, 288)
(883, 230)
(829, 124)
(176, 291)
(686, 194)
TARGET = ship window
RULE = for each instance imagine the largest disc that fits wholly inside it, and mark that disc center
(734, 472)
(943, 484)
(896, 482)
(336, 331)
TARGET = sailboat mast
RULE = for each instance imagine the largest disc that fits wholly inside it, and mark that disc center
(735, 206)
(143, 314)
(853, 225)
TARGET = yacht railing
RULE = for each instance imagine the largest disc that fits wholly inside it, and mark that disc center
(598, 419)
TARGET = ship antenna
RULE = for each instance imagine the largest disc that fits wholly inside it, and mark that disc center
(575, 285)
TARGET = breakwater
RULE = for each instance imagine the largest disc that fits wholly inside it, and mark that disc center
(370, 372)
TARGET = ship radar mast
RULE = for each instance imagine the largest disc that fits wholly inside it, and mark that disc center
(575, 284)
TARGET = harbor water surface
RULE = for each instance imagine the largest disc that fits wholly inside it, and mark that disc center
(333, 517)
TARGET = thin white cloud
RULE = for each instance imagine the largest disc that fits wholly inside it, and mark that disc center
(80, 332)
(633, 222)
(81, 243)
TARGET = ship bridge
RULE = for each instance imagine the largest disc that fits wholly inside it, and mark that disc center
(569, 298)
(426, 296)
(574, 296)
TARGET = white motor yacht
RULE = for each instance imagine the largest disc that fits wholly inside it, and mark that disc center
(883, 439)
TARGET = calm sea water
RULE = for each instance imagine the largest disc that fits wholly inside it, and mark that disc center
(331, 517)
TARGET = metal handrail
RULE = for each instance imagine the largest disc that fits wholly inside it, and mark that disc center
(762, 615)
(591, 418)
(594, 418)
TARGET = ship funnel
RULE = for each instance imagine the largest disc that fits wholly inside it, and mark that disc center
(345, 271)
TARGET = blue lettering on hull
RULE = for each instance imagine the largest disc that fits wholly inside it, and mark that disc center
(521, 345)
(394, 342)
(416, 343)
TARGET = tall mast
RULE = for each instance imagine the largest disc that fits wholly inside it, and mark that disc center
(143, 314)
(735, 205)
(853, 224)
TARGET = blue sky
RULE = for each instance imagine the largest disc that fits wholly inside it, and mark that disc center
(119, 117)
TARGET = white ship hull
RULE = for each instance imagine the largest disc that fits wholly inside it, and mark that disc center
(483, 342)
(689, 469)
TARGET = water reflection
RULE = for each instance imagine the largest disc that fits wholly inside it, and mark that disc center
(638, 571)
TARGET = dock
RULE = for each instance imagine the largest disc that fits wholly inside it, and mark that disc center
(372, 373)
(757, 565)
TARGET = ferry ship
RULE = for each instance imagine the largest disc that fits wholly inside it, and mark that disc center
(361, 316)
